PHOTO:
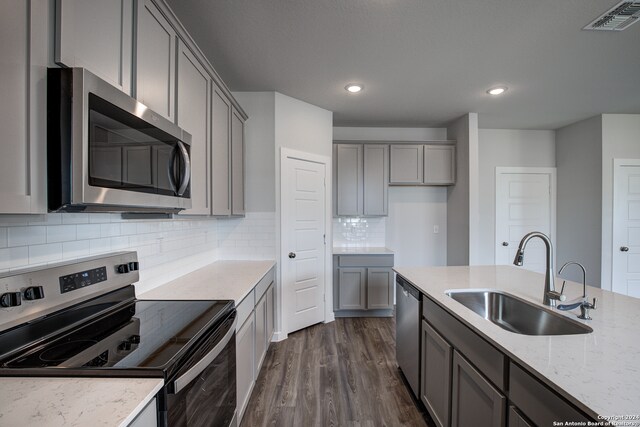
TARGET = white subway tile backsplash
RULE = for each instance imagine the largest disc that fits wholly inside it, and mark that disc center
(109, 230)
(23, 236)
(368, 232)
(87, 231)
(40, 254)
(75, 218)
(3, 237)
(61, 233)
(74, 250)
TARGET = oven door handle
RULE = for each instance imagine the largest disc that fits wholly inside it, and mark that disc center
(199, 367)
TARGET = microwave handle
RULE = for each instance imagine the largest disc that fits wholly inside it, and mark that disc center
(186, 176)
(171, 171)
(199, 367)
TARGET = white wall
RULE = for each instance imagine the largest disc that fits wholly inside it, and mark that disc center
(620, 140)
(388, 134)
(505, 148)
(579, 198)
(260, 147)
(413, 213)
(462, 198)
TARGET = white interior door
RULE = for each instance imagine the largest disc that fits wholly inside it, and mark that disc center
(525, 202)
(303, 242)
(626, 229)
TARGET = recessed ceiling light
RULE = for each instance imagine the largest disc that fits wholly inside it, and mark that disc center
(354, 87)
(495, 91)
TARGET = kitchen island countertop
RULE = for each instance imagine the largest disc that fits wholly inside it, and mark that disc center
(598, 371)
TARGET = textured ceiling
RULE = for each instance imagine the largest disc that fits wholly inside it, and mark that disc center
(424, 62)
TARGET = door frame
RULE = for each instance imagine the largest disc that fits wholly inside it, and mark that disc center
(551, 171)
(328, 241)
(618, 164)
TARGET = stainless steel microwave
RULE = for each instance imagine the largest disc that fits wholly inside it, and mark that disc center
(107, 152)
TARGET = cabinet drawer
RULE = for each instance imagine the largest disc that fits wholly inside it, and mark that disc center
(245, 308)
(539, 403)
(365, 260)
(480, 353)
(264, 284)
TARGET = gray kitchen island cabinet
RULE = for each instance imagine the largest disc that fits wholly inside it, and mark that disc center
(363, 285)
(435, 379)
(361, 178)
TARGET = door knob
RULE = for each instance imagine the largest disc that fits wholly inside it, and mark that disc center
(292, 255)
(624, 249)
(505, 243)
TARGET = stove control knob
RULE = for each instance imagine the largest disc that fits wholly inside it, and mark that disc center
(122, 268)
(10, 299)
(33, 293)
(134, 339)
(133, 266)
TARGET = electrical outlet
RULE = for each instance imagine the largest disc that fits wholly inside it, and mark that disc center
(436, 229)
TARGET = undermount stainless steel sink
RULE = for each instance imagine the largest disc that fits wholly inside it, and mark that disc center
(517, 315)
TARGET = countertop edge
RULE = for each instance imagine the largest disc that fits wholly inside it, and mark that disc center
(248, 291)
(143, 403)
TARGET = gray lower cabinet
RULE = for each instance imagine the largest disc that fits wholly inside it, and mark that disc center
(352, 288)
(474, 401)
(148, 417)
(363, 283)
(435, 381)
(516, 419)
(361, 179)
(467, 381)
(261, 331)
(271, 314)
(245, 359)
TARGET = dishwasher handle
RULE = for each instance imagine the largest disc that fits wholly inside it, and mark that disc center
(407, 288)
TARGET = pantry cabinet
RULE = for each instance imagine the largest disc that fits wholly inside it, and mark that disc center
(155, 60)
(97, 35)
(194, 115)
(25, 34)
(361, 179)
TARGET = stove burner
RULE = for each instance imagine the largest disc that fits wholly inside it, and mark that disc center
(63, 351)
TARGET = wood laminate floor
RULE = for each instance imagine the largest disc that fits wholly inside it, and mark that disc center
(342, 373)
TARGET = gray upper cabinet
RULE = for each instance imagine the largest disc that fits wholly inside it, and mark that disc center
(435, 380)
(96, 35)
(361, 178)
(227, 174)
(474, 401)
(193, 114)
(156, 60)
(376, 180)
(24, 31)
(439, 164)
(422, 164)
(237, 163)
(406, 164)
(348, 179)
(221, 153)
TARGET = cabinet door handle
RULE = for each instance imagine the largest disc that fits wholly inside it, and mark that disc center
(292, 255)
(624, 249)
(505, 243)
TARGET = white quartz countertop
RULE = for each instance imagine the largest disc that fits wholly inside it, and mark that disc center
(361, 251)
(68, 402)
(221, 280)
(599, 372)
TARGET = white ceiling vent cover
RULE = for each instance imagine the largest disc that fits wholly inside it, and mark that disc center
(618, 18)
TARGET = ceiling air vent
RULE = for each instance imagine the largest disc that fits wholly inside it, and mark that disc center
(618, 18)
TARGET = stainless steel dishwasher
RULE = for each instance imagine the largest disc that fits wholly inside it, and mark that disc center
(408, 332)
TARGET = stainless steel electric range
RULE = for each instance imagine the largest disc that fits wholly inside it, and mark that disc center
(81, 318)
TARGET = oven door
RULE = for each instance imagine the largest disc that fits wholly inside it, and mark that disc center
(203, 392)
